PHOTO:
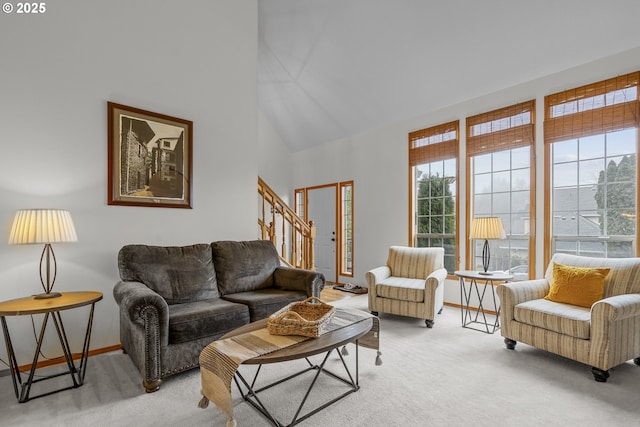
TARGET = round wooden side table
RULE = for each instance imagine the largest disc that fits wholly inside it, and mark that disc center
(51, 308)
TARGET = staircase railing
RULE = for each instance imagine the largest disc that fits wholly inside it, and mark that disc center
(288, 232)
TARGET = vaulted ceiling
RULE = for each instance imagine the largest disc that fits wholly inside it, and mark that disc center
(328, 69)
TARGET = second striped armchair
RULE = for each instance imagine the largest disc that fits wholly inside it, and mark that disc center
(410, 284)
(603, 335)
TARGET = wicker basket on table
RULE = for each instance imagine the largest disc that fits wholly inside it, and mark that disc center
(306, 318)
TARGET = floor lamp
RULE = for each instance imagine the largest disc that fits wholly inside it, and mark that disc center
(47, 226)
(486, 228)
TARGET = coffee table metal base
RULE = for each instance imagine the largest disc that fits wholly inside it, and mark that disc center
(251, 395)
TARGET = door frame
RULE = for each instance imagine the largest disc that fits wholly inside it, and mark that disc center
(337, 186)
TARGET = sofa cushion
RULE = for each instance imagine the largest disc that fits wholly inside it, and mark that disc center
(244, 266)
(263, 303)
(577, 285)
(571, 320)
(213, 317)
(401, 288)
(177, 273)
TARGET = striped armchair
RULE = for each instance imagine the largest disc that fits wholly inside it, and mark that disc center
(411, 284)
(603, 336)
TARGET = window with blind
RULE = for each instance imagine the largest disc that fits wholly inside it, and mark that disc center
(500, 153)
(433, 168)
(591, 139)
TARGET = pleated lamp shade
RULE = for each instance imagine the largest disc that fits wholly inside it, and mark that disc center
(487, 228)
(31, 226)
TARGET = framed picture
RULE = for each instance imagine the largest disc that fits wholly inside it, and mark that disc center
(150, 157)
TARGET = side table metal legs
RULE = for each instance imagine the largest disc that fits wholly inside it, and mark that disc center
(468, 319)
(22, 388)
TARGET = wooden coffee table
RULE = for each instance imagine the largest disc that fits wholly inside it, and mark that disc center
(325, 343)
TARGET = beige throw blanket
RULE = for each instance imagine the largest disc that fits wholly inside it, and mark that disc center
(219, 360)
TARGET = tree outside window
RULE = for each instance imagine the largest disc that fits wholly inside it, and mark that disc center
(436, 209)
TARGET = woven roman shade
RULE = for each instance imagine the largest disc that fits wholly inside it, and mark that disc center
(606, 106)
(433, 144)
(501, 129)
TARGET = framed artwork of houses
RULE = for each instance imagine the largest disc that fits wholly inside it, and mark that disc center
(150, 157)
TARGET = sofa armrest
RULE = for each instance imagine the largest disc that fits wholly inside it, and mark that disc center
(144, 309)
(514, 293)
(374, 276)
(144, 329)
(298, 279)
(614, 325)
(616, 308)
(377, 275)
(435, 279)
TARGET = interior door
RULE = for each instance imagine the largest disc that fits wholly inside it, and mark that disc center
(321, 205)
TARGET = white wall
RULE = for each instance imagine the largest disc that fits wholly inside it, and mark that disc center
(274, 160)
(195, 60)
(377, 162)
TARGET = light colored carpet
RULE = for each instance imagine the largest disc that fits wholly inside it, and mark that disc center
(445, 376)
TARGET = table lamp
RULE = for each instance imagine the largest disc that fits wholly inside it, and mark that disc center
(33, 226)
(486, 228)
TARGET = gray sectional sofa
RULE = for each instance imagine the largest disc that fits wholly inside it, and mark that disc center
(174, 300)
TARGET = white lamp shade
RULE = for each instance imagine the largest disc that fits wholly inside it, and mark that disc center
(487, 228)
(32, 226)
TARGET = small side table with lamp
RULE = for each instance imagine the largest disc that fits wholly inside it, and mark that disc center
(482, 228)
(479, 321)
(46, 226)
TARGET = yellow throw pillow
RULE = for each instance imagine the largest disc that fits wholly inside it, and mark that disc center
(577, 285)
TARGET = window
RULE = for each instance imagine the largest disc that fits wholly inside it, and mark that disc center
(500, 147)
(300, 208)
(591, 138)
(300, 203)
(346, 228)
(433, 172)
